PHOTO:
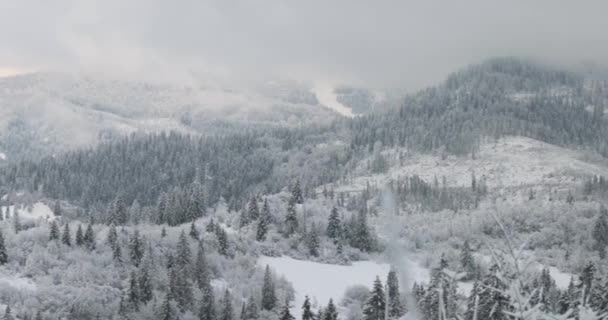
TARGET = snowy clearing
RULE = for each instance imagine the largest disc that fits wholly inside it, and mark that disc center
(38, 211)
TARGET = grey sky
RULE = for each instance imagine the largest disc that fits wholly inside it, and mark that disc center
(404, 44)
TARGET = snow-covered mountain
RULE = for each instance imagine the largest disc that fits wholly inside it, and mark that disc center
(52, 112)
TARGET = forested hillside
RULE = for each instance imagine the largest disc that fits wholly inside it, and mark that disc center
(451, 194)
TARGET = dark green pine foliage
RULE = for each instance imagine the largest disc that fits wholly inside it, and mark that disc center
(136, 248)
(89, 238)
(313, 241)
(166, 311)
(222, 240)
(285, 313)
(395, 308)
(375, 305)
(57, 211)
(244, 219)
(442, 291)
(600, 233)
(466, 259)
(161, 209)
(296, 193)
(251, 311)
(54, 232)
(227, 312)
(253, 210)
(263, 222)
(112, 236)
(118, 211)
(163, 232)
(181, 284)
(269, 298)
(472, 310)
(145, 283)
(79, 236)
(362, 238)
(66, 237)
(133, 295)
(492, 300)
(587, 277)
(334, 225)
(307, 313)
(207, 305)
(3, 254)
(330, 313)
(291, 219)
(210, 227)
(201, 269)
(117, 252)
(194, 233)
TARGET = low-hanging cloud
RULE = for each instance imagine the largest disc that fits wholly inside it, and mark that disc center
(404, 44)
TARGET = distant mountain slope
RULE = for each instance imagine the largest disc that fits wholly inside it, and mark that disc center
(45, 113)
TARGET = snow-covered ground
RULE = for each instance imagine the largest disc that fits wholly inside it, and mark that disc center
(38, 211)
(507, 163)
(16, 282)
(327, 97)
(322, 282)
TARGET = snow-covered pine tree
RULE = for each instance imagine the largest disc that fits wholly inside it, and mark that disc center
(307, 313)
(253, 210)
(313, 241)
(207, 305)
(285, 313)
(54, 232)
(133, 294)
(331, 312)
(183, 257)
(3, 254)
(251, 311)
(334, 225)
(166, 311)
(296, 193)
(263, 222)
(269, 298)
(79, 236)
(472, 308)
(146, 293)
(466, 259)
(493, 302)
(201, 269)
(222, 239)
(375, 305)
(136, 248)
(395, 308)
(66, 237)
(227, 312)
(291, 219)
(600, 233)
(89, 238)
(194, 233)
(112, 236)
(362, 237)
(117, 253)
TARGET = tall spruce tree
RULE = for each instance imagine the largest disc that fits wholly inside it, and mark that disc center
(291, 219)
(136, 250)
(269, 298)
(194, 233)
(363, 239)
(263, 222)
(166, 311)
(253, 210)
(3, 254)
(313, 241)
(227, 312)
(207, 305)
(54, 231)
(133, 294)
(146, 293)
(466, 259)
(330, 313)
(307, 313)
(600, 233)
(66, 237)
(395, 308)
(296, 193)
(285, 313)
(79, 236)
(375, 305)
(334, 225)
(89, 238)
(251, 311)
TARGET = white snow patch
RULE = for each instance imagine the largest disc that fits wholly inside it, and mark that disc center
(38, 211)
(327, 97)
(321, 281)
(17, 282)
(2, 156)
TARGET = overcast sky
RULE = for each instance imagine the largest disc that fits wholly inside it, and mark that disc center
(406, 44)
